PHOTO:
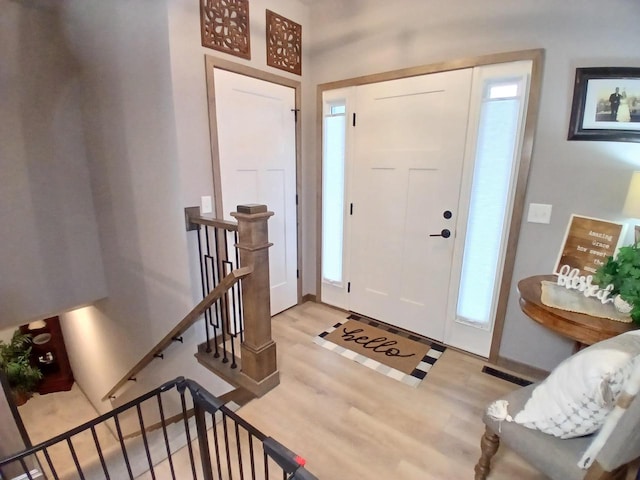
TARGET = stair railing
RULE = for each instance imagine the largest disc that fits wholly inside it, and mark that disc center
(237, 317)
(156, 352)
(227, 446)
(239, 346)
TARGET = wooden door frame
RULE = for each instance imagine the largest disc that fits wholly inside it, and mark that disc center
(212, 62)
(536, 56)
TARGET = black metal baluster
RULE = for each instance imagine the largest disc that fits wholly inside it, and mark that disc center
(203, 443)
(75, 458)
(239, 284)
(26, 469)
(50, 463)
(251, 456)
(226, 444)
(231, 311)
(145, 442)
(99, 450)
(215, 444)
(188, 434)
(202, 287)
(166, 437)
(208, 286)
(239, 450)
(122, 446)
(211, 315)
(266, 466)
(225, 321)
(224, 263)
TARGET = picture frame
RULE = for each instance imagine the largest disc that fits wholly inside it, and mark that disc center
(588, 242)
(599, 111)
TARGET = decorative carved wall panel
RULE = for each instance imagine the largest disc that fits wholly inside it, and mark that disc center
(284, 43)
(224, 26)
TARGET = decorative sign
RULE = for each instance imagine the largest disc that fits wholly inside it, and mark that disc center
(572, 280)
(224, 26)
(587, 244)
(284, 43)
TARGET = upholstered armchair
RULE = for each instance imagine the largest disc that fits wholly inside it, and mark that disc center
(594, 392)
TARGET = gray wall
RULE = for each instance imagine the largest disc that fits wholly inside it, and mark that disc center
(361, 37)
(128, 116)
(50, 258)
(146, 122)
(109, 132)
(107, 114)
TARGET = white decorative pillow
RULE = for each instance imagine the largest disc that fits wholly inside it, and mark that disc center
(631, 389)
(576, 397)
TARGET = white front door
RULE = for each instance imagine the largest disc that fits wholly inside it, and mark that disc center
(257, 156)
(409, 151)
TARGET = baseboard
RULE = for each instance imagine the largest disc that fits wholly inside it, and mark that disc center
(309, 297)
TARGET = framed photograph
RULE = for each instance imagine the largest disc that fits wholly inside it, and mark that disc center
(606, 104)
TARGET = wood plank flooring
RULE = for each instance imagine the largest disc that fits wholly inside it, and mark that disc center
(350, 422)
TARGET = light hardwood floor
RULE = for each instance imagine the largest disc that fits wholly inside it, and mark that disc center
(350, 422)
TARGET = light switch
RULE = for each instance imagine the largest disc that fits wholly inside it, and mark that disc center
(206, 205)
(539, 213)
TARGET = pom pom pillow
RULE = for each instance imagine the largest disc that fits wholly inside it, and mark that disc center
(576, 397)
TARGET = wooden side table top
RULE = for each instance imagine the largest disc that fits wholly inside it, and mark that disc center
(582, 328)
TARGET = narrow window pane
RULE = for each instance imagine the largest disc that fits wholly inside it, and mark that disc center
(503, 91)
(333, 198)
(492, 176)
(338, 109)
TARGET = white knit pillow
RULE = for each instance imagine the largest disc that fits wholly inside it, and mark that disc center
(576, 397)
(631, 389)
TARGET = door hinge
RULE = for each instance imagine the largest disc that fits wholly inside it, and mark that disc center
(348, 287)
(351, 209)
(354, 119)
(295, 113)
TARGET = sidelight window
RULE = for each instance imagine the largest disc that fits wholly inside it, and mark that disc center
(333, 188)
(490, 202)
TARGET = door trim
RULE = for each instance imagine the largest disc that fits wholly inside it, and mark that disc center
(211, 63)
(537, 57)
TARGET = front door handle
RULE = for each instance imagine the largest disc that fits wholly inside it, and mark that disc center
(444, 233)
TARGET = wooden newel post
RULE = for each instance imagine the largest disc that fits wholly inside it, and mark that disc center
(258, 351)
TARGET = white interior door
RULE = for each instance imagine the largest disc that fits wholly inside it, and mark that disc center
(257, 156)
(409, 151)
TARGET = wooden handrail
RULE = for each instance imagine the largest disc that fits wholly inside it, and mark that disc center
(213, 222)
(225, 284)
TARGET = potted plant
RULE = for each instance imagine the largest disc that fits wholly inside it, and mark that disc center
(15, 363)
(623, 272)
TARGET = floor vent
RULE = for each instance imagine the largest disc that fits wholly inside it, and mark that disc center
(506, 376)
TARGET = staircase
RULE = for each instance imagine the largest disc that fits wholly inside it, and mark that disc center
(180, 429)
(235, 310)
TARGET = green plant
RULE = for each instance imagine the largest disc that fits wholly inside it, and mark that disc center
(623, 272)
(14, 361)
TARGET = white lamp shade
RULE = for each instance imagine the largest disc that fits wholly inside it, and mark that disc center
(37, 325)
(632, 203)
